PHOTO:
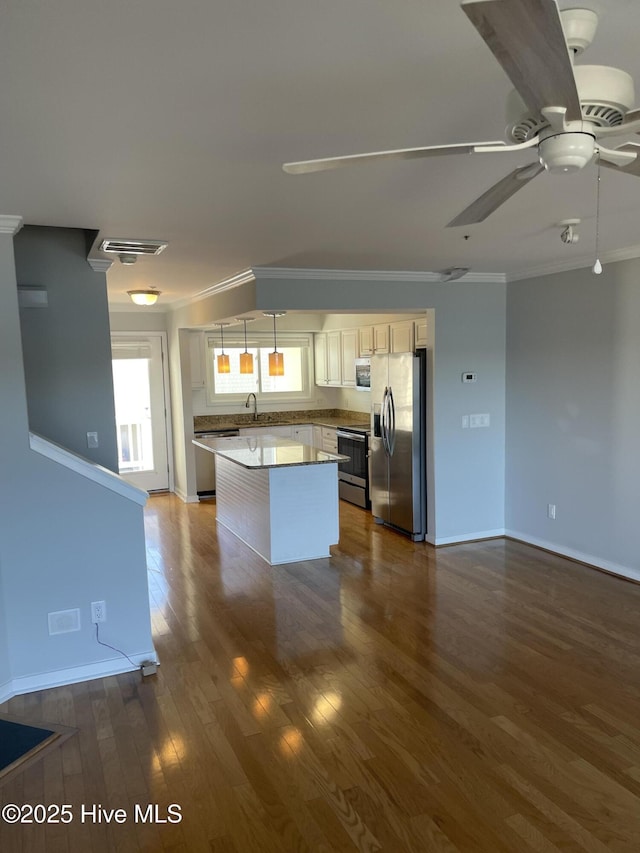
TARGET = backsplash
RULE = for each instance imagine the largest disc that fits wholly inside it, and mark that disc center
(306, 416)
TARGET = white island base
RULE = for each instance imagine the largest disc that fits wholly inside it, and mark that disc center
(284, 514)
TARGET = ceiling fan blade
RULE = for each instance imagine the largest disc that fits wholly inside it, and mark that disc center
(527, 39)
(497, 195)
(397, 154)
(632, 168)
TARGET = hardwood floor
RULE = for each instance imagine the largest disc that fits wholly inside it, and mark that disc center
(483, 697)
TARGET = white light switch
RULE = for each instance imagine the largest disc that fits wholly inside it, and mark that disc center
(465, 422)
(92, 439)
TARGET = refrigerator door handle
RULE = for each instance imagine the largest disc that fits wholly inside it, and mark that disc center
(392, 423)
(384, 426)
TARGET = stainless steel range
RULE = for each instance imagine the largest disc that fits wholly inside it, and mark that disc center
(353, 476)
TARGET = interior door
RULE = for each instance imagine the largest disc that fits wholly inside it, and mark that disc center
(141, 422)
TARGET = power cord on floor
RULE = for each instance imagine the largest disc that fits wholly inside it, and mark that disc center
(113, 648)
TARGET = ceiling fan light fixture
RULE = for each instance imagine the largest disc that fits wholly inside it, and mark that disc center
(146, 297)
(567, 152)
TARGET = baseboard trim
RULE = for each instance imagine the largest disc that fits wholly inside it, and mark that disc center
(73, 675)
(469, 537)
(6, 692)
(589, 560)
(185, 498)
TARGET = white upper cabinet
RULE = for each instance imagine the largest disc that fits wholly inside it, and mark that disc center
(401, 336)
(381, 338)
(334, 360)
(421, 332)
(365, 334)
(349, 344)
(320, 357)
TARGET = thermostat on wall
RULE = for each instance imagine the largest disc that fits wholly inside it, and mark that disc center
(469, 377)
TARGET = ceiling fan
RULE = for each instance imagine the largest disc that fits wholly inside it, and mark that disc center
(562, 110)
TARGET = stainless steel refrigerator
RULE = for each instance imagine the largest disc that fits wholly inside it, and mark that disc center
(398, 425)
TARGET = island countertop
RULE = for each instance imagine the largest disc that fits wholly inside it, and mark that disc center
(253, 451)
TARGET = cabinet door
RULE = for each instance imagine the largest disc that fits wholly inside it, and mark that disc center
(401, 336)
(320, 357)
(365, 334)
(334, 367)
(196, 352)
(317, 437)
(303, 434)
(329, 440)
(381, 338)
(349, 346)
(421, 333)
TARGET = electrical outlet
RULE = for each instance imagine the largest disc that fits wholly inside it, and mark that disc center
(98, 611)
(551, 511)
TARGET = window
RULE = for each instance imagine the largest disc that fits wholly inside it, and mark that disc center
(295, 384)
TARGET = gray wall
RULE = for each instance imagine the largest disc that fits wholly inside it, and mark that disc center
(64, 541)
(67, 349)
(573, 352)
(467, 333)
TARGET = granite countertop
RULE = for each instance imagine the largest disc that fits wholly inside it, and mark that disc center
(267, 452)
(318, 417)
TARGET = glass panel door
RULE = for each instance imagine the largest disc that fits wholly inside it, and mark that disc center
(140, 411)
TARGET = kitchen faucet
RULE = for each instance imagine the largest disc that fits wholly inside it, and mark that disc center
(255, 405)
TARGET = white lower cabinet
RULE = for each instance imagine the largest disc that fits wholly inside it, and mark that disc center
(329, 440)
(303, 433)
(317, 436)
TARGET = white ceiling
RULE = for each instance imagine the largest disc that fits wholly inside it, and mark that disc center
(170, 120)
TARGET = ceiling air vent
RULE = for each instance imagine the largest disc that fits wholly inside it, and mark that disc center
(133, 247)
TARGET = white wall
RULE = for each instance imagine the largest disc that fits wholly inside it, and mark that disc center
(573, 352)
(143, 319)
(64, 542)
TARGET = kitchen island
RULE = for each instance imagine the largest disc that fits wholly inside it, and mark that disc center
(278, 496)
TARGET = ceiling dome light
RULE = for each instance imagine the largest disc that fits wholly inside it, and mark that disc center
(127, 259)
(144, 297)
(567, 152)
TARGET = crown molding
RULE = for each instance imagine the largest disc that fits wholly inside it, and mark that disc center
(372, 275)
(577, 263)
(10, 224)
(100, 264)
(237, 280)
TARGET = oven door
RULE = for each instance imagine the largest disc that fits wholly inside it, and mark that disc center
(355, 470)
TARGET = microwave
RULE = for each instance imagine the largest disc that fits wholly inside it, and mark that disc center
(363, 374)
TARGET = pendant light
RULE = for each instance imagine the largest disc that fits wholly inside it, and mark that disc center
(223, 359)
(276, 359)
(246, 358)
(597, 267)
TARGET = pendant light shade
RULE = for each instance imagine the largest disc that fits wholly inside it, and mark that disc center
(224, 365)
(276, 363)
(246, 358)
(276, 359)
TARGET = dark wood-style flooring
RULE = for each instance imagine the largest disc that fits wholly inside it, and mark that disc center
(482, 697)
